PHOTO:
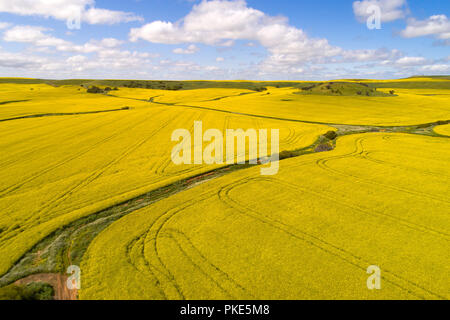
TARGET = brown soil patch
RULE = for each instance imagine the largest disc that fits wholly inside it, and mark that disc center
(57, 281)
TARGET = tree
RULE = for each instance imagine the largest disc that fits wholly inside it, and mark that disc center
(94, 89)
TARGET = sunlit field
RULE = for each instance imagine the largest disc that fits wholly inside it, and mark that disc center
(301, 228)
(407, 107)
(87, 179)
(443, 130)
(57, 169)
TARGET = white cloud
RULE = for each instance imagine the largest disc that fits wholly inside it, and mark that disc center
(38, 37)
(77, 59)
(209, 22)
(221, 22)
(438, 68)
(104, 16)
(391, 10)
(291, 53)
(107, 64)
(66, 10)
(291, 50)
(18, 60)
(111, 42)
(189, 50)
(33, 35)
(370, 55)
(438, 26)
(105, 56)
(411, 61)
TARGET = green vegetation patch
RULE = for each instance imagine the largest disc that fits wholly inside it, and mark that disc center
(343, 89)
(31, 291)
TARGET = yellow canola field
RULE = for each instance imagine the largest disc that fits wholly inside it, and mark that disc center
(18, 100)
(55, 170)
(181, 96)
(405, 80)
(309, 232)
(410, 107)
(444, 130)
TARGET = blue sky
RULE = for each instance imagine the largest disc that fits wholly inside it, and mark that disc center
(224, 39)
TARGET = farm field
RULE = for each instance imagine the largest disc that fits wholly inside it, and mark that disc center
(88, 179)
(58, 169)
(218, 158)
(443, 130)
(300, 234)
(408, 107)
(21, 100)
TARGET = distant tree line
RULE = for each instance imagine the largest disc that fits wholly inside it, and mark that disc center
(260, 89)
(95, 89)
(158, 85)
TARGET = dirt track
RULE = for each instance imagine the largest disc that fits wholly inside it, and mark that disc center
(57, 281)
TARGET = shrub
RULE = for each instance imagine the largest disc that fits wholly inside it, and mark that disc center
(323, 147)
(287, 154)
(32, 291)
(94, 89)
(260, 89)
(309, 87)
(331, 135)
(38, 291)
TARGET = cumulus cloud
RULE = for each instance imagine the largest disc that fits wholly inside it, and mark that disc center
(67, 10)
(189, 50)
(209, 22)
(108, 63)
(411, 61)
(104, 56)
(18, 60)
(391, 10)
(370, 55)
(39, 37)
(34, 35)
(291, 50)
(221, 22)
(437, 26)
(436, 68)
